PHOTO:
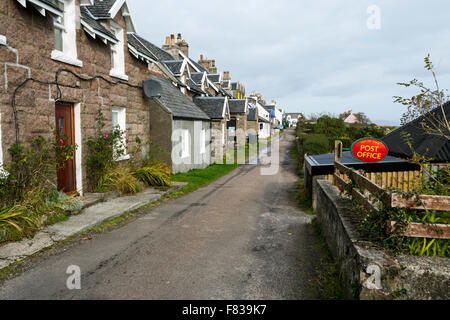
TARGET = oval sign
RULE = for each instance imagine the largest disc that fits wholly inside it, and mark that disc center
(370, 150)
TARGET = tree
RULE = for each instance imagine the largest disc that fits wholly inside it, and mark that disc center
(422, 104)
(362, 118)
(330, 126)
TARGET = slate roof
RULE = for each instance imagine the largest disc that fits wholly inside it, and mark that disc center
(237, 106)
(215, 78)
(251, 114)
(430, 146)
(174, 66)
(226, 84)
(100, 9)
(233, 85)
(212, 106)
(52, 3)
(94, 24)
(148, 48)
(193, 87)
(178, 103)
(197, 77)
(200, 67)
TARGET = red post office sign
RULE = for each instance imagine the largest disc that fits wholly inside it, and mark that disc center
(370, 150)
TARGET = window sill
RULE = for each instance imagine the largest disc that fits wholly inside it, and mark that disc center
(123, 158)
(118, 75)
(61, 57)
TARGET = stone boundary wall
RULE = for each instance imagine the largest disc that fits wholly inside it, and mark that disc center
(400, 277)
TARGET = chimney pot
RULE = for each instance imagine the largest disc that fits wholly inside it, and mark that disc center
(167, 40)
(172, 39)
(201, 57)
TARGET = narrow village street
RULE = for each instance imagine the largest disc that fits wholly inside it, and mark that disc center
(241, 237)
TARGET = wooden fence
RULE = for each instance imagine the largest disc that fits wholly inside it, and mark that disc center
(372, 193)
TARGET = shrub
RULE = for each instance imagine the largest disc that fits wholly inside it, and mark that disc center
(329, 126)
(103, 149)
(122, 180)
(315, 144)
(155, 174)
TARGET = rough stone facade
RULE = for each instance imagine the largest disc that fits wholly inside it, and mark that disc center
(30, 38)
(401, 277)
(241, 126)
(218, 143)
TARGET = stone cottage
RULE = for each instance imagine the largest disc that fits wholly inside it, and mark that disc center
(218, 110)
(62, 61)
(238, 123)
(178, 128)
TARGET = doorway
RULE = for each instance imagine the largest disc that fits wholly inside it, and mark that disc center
(65, 128)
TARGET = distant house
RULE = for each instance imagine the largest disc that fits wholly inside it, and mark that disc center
(178, 128)
(238, 122)
(218, 110)
(431, 146)
(351, 118)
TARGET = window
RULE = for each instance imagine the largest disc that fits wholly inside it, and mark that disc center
(261, 126)
(65, 46)
(203, 141)
(119, 123)
(185, 144)
(118, 54)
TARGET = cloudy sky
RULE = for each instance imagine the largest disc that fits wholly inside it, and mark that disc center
(311, 56)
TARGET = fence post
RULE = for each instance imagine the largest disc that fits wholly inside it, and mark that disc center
(338, 151)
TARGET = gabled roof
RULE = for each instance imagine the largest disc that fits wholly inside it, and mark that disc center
(197, 66)
(102, 9)
(44, 6)
(197, 77)
(430, 146)
(176, 102)
(108, 9)
(238, 106)
(261, 119)
(146, 47)
(226, 84)
(175, 66)
(193, 87)
(94, 28)
(214, 107)
(214, 78)
(138, 49)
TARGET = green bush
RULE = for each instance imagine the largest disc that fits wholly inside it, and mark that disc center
(103, 149)
(122, 180)
(154, 173)
(315, 144)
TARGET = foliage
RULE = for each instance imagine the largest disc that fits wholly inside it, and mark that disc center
(330, 127)
(15, 218)
(33, 167)
(122, 180)
(434, 123)
(103, 150)
(315, 144)
(154, 174)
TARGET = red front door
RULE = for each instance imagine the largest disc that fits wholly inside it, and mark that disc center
(64, 128)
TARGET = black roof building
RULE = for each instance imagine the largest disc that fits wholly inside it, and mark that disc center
(214, 107)
(238, 106)
(431, 146)
(147, 48)
(176, 102)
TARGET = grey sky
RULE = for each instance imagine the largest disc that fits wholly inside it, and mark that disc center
(311, 56)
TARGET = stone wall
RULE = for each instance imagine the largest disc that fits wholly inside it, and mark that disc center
(218, 148)
(401, 277)
(28, 54)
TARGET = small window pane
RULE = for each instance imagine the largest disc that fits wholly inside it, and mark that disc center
(58, 39)
(61, 127)
(115, 120)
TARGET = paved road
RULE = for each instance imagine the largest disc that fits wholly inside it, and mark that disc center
(242, 237)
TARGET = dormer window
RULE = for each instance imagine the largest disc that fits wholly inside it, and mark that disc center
(118, 53)
(65, 46)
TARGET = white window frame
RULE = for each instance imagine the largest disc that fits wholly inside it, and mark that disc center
(203, 141)
(185, 144)
(118, 53)
(69, 35)
(122, 126)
